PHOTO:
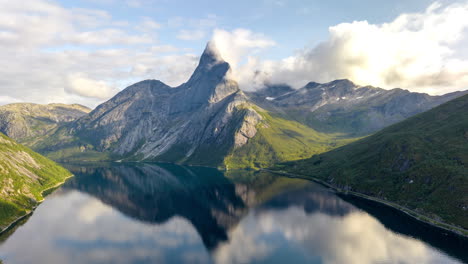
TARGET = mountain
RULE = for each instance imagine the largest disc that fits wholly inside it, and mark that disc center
(213, 204)
(206, 121)
(156, 193)
(341, 106)
(420, 163)
(25, 176)
(26, 123)
(209, 121)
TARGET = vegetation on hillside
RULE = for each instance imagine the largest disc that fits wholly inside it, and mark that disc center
(279, 140)
(420, 163)
(24, 177)
(28, 123)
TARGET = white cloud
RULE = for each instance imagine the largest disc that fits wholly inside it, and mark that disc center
(196, 34)
(57, 54)
(94, 221)
(46, 46)
(80, 84)
(134, 3)
(5, 99)
(149, 24)
(194, 28)
(91, 211)
(353, 238)
(108, 37)
(33, 24)
(237, 46)
(234, 46)
(417, 51)
(243, 245)
(205, 22)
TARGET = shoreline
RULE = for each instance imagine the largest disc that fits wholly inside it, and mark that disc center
(31, 211)
(417, 216)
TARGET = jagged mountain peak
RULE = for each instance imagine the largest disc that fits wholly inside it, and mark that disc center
(343, 106)
(149, 119)
(211, 66)
(211, 55)
(340, 88)
(210, 82)
(342, 81)
(311, 85)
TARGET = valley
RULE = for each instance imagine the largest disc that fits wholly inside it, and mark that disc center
(25, 178)
(210, 121)
(234, 132)
(420, 163)
(149, 212)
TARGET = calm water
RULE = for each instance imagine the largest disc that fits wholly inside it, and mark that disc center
(121, 213)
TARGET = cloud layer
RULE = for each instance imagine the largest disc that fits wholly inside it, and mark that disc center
(77, 55)
(353, 238)
(418, 51)
(74, 55)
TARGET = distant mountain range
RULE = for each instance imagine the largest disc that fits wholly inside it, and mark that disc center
(209, 121)
(27, 123)
(214, 204)
(420, 163)
(342, 107)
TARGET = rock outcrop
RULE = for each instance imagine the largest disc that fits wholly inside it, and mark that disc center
(26, 122)
(342, 106)
(209, 121)
(200, 121)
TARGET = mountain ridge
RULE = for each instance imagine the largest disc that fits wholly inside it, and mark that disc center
(150, 120)
(26, 122)
(24, 177)
(419, 163)
(210, 121)
(340, 106)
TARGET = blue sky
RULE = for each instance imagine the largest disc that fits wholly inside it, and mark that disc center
(86, 51)
(293, 24)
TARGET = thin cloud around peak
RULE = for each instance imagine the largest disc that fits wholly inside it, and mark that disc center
(416, 51)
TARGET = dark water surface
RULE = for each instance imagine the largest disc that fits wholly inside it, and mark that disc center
(148, 213)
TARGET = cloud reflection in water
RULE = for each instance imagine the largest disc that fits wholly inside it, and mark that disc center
(172, 214)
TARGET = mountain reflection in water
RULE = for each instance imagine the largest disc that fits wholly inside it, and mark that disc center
(148, 213)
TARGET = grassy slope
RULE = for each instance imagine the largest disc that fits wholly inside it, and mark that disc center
(279, 140)
(38, 120)
(61, 145)
(265, 184)
(420, 163)
(24, 176)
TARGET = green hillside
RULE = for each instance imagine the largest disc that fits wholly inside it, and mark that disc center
(28, 123)
(279, 140)
(276, 140)
(24, 176)
(420, 163)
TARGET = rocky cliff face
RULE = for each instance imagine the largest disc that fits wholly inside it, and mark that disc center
(342, 106)
(423, 156)
(26, 122)
(212, 203)
(199, 121)
(209, 121)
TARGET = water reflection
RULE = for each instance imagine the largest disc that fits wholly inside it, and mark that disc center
(155, 194)
(120, 213)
